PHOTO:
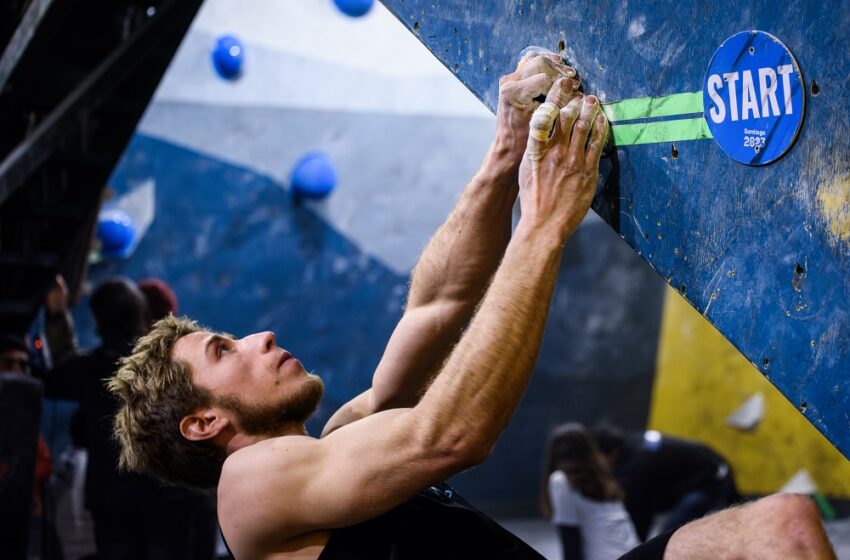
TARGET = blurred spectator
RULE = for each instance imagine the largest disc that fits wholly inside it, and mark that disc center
(73, 521)
(14, 355)
(582, 498)
(135, 516)
(161, 299)
(58, 324)
(662, 474)
(15, 358)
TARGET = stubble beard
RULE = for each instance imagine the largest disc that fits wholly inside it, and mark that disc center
(270, 419)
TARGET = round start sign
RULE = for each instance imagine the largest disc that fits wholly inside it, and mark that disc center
(753, 97)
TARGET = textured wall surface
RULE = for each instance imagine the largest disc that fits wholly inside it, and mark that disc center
(701, 379)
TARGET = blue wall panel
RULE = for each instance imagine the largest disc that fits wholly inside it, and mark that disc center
(242, 259)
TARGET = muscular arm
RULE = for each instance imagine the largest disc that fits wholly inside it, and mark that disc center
(458, 263)
(447, 284)
(284, 487)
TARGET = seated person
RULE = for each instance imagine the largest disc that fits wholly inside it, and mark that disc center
(582, 498)
(663, 474)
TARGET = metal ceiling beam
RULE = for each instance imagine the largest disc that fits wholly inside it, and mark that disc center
(22, 38)
(72, 102)
(20, 164)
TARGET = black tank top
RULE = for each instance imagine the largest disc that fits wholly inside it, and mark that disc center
(436, 524)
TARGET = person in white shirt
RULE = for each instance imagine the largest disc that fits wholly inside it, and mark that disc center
(583, 499)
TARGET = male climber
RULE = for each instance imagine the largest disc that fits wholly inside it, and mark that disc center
(205, 409)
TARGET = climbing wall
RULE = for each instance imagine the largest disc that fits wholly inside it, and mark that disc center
(736, 411)
(731, 173)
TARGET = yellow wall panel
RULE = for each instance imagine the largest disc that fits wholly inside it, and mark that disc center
(701, 379)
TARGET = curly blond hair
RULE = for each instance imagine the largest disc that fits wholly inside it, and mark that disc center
(156, 392)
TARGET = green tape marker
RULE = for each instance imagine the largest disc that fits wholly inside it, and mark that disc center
(825, 507)
(662, 131)
(647, 107)
(673, 130)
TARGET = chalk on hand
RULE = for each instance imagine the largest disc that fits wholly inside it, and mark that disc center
(542, 50)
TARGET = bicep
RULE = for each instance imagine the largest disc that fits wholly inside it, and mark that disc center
(356, 409)
(294, 485)
(371, 466)
(416, 350)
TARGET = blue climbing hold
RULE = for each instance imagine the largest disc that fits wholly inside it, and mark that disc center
(116, 233)
(313, 176)
(228, 55)
(354, 8)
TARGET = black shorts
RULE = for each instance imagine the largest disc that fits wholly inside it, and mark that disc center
(653, 549)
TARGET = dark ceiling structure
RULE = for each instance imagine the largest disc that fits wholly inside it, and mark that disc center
(75, 78)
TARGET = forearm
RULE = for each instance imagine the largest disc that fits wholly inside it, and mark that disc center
(59, 332)
(458, 263)
(483, 381)
(460, 259)
(447, 284)
(416, 351)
